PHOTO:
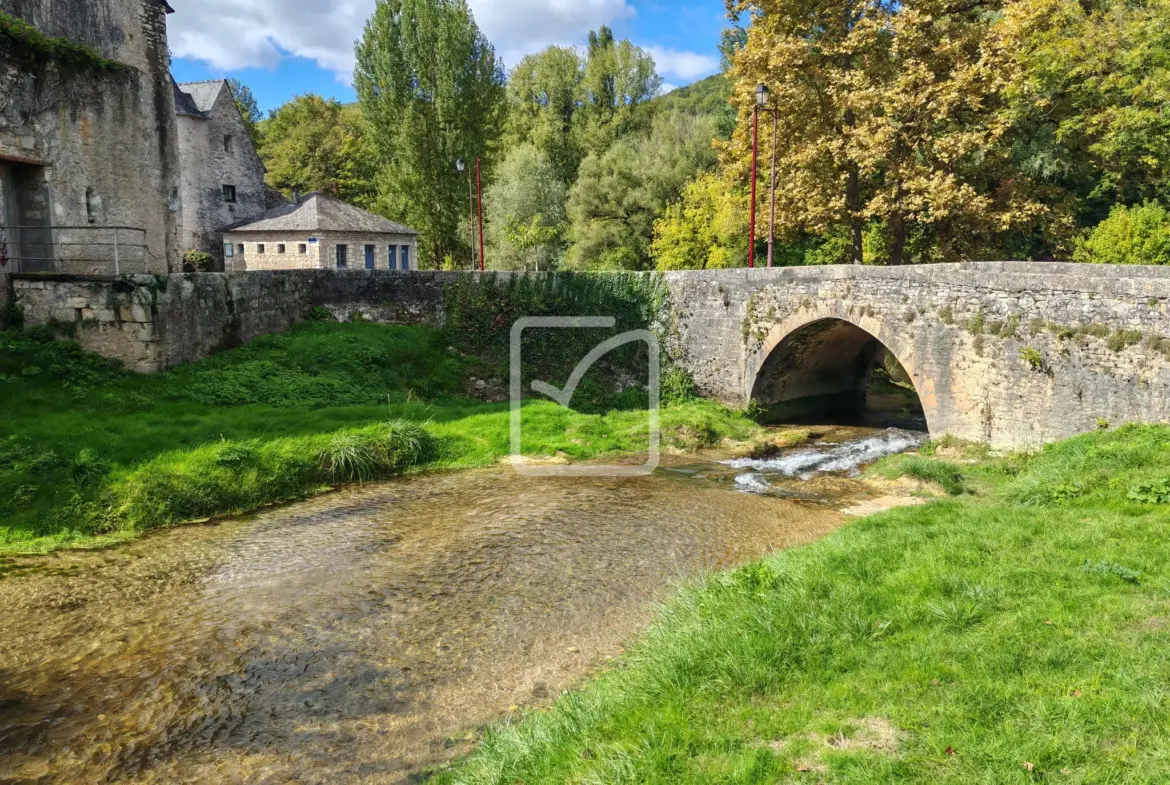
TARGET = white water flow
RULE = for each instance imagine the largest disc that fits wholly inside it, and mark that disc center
(806, 463)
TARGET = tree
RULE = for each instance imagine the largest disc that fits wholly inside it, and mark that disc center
(618, 79)
(620, 194)
(315, 144)
(890, 113)
(707, 229)
(544, 100)
(248, 106)
(1130, 235)
(432, 90)
(527, 208)
(1088, 103)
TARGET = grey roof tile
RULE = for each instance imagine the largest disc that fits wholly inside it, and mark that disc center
(184, 104)
(318, 212)
(203, 94)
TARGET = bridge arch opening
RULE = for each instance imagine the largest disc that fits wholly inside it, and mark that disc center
(831, 371)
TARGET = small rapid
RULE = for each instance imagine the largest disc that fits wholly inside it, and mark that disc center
(805, 463)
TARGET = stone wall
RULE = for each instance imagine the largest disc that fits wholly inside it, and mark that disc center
(95, 150)
(1014, 355)
(151, 323)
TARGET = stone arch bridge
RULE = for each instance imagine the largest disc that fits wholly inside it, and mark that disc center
(1009, 354)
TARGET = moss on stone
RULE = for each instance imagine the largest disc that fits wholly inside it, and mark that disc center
(23, 44)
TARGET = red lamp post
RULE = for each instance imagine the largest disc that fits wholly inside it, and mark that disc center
(761, 102)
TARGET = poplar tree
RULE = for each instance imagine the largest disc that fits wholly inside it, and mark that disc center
(432, 90)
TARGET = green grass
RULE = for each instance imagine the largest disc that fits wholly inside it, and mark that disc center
(1020, 635)
(945, 475)
(91, 454)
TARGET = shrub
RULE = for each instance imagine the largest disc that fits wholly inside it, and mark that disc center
(1032, 357)
(1130, 235)
(87, 468)
(319, 313)
(1152, 492)
(198, 261)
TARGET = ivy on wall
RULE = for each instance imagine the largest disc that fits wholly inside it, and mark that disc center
(27, 46)
(481, 310)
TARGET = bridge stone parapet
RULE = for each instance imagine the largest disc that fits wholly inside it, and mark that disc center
(1010, 354)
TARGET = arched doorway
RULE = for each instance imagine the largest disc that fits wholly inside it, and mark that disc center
(831, 371)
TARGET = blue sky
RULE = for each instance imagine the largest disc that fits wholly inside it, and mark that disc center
(282, 48)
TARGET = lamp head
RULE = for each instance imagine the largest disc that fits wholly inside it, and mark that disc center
(762, 94)
(460, 165)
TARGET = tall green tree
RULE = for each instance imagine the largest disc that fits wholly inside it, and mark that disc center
(620, 194)
(317, 144)
(249, 107)
(527, 208)
(432, 90)
(618, 79)
(544, 93)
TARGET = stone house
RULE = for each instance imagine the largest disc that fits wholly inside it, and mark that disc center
(90, 144)
(221, 175)
(319, 232)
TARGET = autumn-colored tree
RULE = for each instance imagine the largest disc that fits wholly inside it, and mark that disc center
(707, 229)
(888, 112)
(1089, 101)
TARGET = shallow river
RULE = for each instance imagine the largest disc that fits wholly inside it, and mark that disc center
(364, 636)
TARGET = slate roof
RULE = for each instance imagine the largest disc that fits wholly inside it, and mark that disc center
(203, 93)
(318, 212)
(184, 103)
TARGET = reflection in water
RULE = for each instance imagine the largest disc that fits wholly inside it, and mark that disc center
(353, 638)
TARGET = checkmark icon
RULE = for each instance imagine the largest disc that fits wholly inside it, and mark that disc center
(564, 396)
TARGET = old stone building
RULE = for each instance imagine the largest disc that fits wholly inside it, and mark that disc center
(222, 175)
(318, 232)
(89, 163)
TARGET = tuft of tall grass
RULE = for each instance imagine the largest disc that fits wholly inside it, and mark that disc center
(945, 475)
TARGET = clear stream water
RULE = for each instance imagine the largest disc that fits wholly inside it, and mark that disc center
(363, 636)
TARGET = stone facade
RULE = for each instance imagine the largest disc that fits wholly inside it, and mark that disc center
(215, 153)
(1013, 354)
(91, 150)
(318, 251)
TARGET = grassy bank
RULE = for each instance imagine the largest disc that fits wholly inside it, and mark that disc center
(90, 453)
(1019, 632)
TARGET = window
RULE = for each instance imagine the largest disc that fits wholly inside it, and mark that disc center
(240, 249)
(394, 257)
(260, 248)
(406, 257)
(229, 193)
(341, 260)
(371, 250)
(227, 144)
(228, 248)
(302, 249)
(280, 248)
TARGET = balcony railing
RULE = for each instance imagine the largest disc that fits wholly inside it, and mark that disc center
(101, 250)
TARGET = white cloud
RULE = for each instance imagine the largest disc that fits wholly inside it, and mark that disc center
(684, 66)
(235, 34)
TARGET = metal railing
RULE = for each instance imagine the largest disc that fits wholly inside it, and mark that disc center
(100, 250)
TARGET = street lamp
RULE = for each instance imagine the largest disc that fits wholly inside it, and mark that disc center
(761, 102)
(461, 167)
(763, 94)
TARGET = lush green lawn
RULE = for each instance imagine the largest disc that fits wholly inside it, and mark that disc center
(1019, 634)
(90, 453)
